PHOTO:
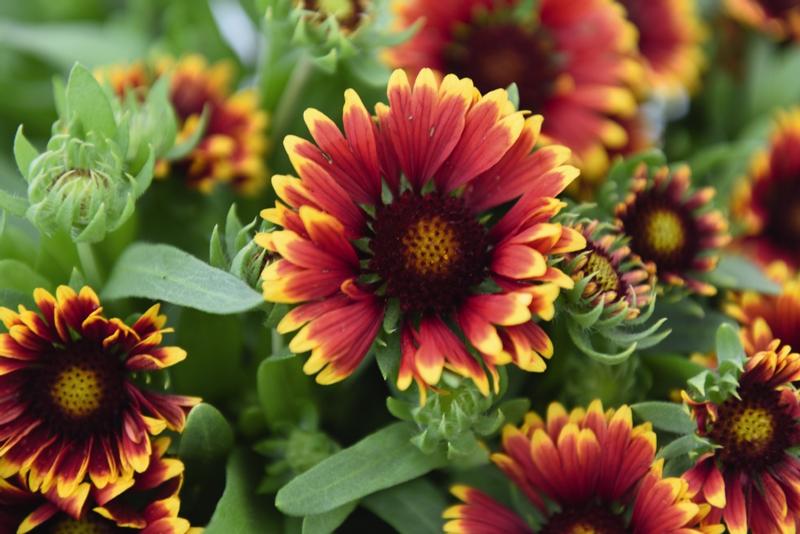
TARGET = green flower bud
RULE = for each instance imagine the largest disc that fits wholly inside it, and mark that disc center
(80, 187)
(456, 420)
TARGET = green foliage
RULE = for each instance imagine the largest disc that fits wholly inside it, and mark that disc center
(379, 461)
(668, 416)
(162, 272)
(414, 507)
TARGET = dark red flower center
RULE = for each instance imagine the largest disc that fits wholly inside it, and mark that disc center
(91, 524)
(592, 520)
(662, 231)
(778, 8)
(428, 250)
(779, 204)
(756, 430)
(496, 55)
(347, 12)
(78, 390)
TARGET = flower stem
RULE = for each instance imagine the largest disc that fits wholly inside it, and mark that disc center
(292, 93)
(89, 265)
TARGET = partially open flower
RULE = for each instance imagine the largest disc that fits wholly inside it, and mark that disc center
(584, 471)
(574, 61)
(670, 40)
(751, 477)
(148, 503)
(672, 227)
(768, 199)
(70, 406)
(778, 18)
(610, 273)
(396, 222)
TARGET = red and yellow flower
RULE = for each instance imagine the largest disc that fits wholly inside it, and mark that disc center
(751, 478)
(147, 503)
(232, 148)
(574, 61)
(398, 213)
(767, 317)
(670, 41)
(584, 471)
(70, 407)
(768, 199)
(779, 18)
(672, 227)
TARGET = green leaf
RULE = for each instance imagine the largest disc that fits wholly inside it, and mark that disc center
(163, 272)
(392, 316)
(513, 94)
(13, 204)
(411, 508)
(208, 437)
(737, 272)
(183, 148)
(24, 152)
(283, 390)
(729, 347)
(514, 409)
(328, 522)
(60, 44)
(240, 509)
(682, 445)
(87, 100)
(216, 253)
(387, 354)
(206, 337)
(18, 276)
(668, 416)
(379, 461)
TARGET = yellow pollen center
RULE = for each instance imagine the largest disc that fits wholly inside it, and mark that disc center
(753, 426)
(665, 231)
(83, 526)
(604, 273)
(583, 528)
(77, 391)
(430, 246)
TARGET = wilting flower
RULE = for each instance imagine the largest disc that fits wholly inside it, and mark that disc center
(148, 503)
(751, 478)
(672, 227)
(70, 407)
(670, 38)
(572, 60)
(779, 18)
(586, 471)
(232, 147)
(767, 317)
(768, 200)
(396, 220)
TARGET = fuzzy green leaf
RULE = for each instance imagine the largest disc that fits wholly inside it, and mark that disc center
(240, 509)
(328, 522)
(283, 390)
(17, 276)
(379, 461)
(163, 272)
(208, 437)
(668, 416)
(24, 152)
(737, 272)
(87, 101)
(411, 508)
(729, 347)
